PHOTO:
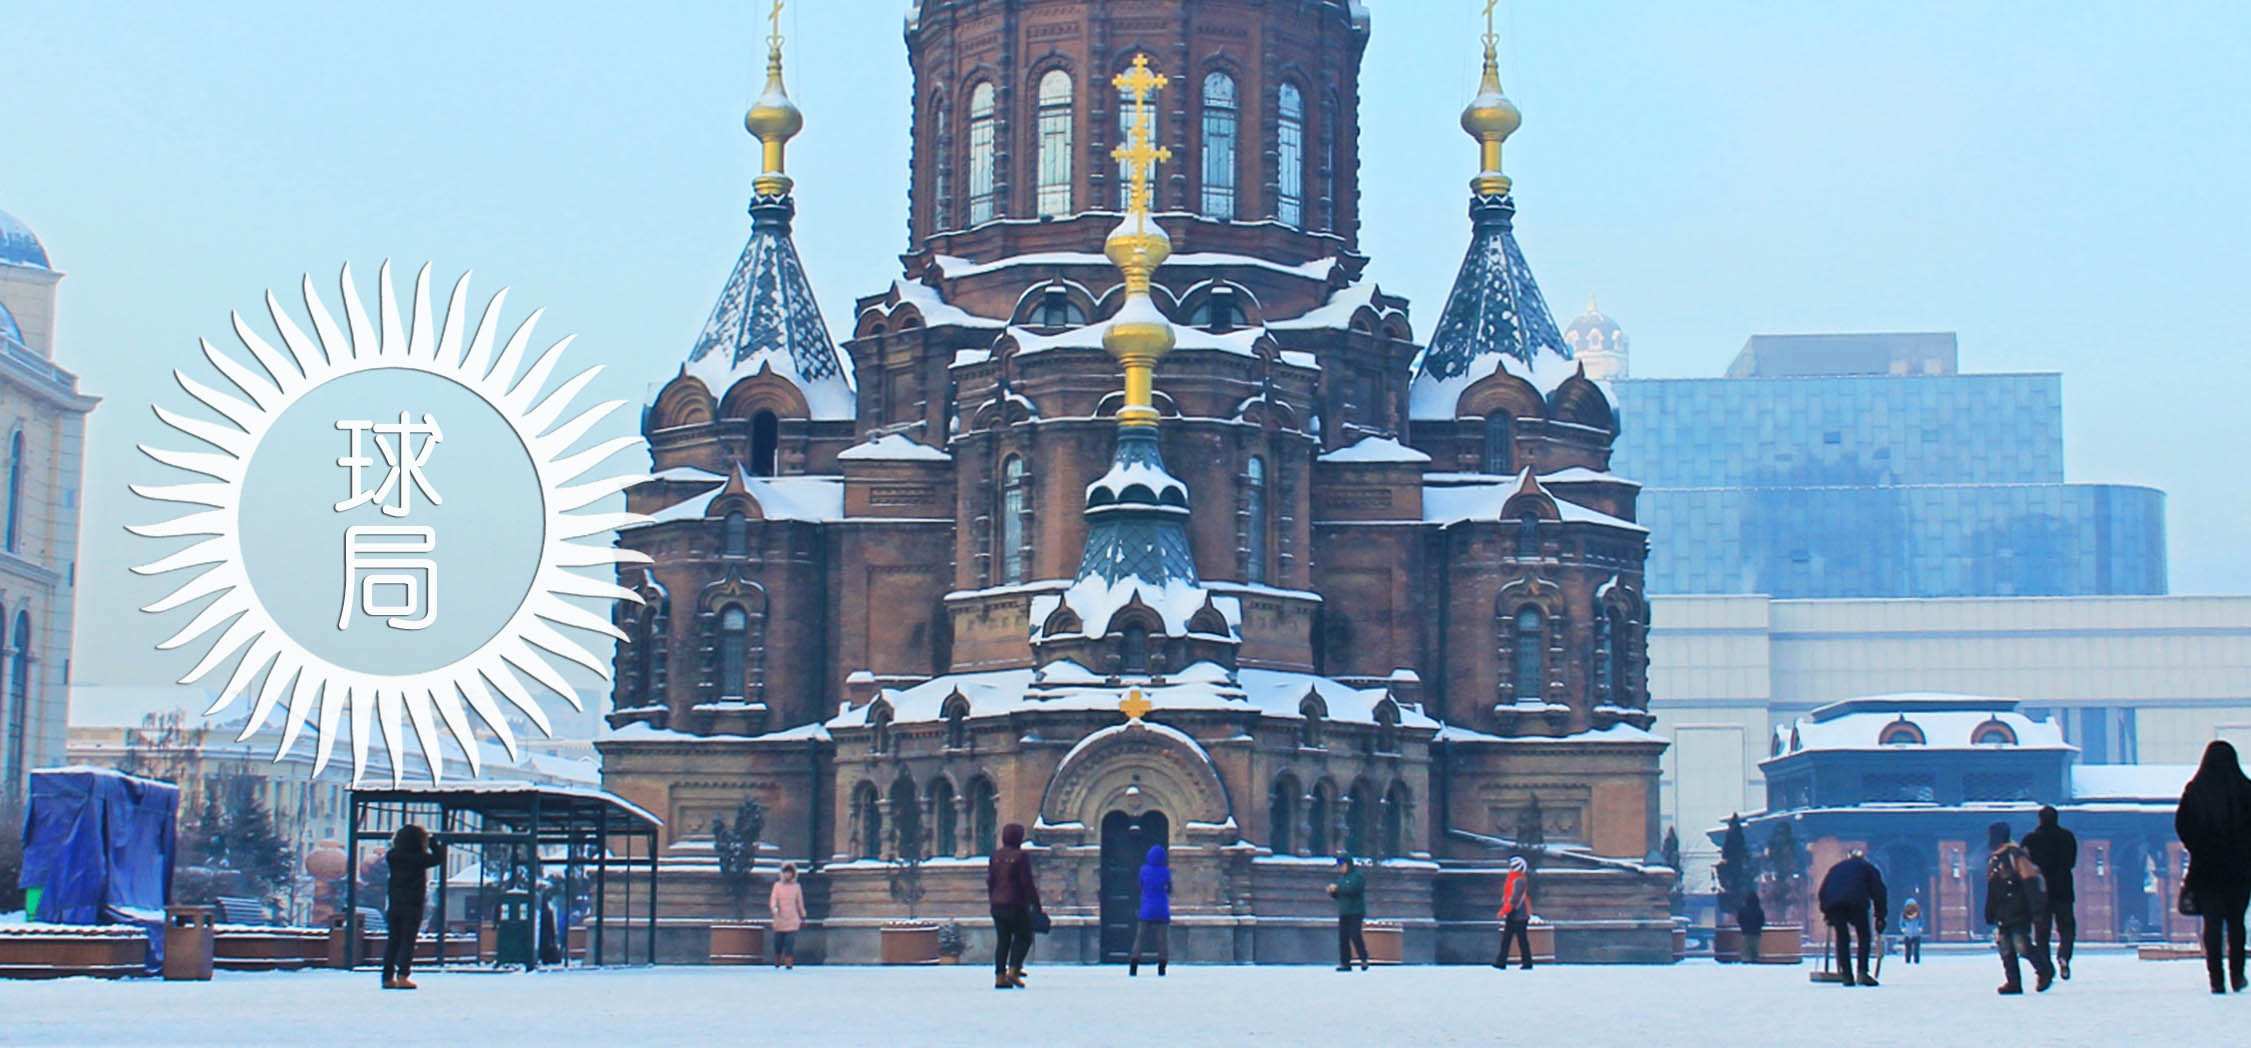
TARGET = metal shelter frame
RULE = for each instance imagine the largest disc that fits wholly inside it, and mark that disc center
(600, 835)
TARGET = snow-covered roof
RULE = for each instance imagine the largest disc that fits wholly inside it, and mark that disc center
(1494, 318)
(1066, 685)
(19, 246)
(778, 498)
(1944, 720)
(1375, 449)
(1097, 600)
(2130, 782)
(935, 310)
(894, 447)
(508, 786)
(1241, 342)
(766, 320)
(953, 266)
(1336, 312)
(1454, 501)
(688, 474)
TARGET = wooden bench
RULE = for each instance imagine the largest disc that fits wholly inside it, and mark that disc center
(237, 909)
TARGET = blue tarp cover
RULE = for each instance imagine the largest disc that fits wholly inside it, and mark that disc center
(97, 847)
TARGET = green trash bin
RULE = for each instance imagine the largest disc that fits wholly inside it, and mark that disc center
(516, 931)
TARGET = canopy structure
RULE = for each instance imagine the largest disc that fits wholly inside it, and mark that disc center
(517, 831)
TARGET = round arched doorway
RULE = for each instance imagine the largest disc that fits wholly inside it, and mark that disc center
(1126, 840)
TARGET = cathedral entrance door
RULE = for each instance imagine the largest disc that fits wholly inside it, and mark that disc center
(1126, 840)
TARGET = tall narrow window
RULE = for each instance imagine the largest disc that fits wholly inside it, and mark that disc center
(15, 491)
(1281, 815)
(765, 443)
(1125, 137)
(1320, 815)
(942, 825)
(1621, 681)
(1530, 655)
(1528, 536)
(1012, 520)
(1395, 823)
(1332, 164)
(1500, 443)
(734, 539)
(982, 189)
(648, 661)
(1605, 683)
(1134, 653)
(984, 813)
(1254, 502)
(1289, 156)
(941, 170)
(1219, 146)
(906, 819)
(1054, 126)
(869, 814)
(19, 703)
(1359, 806)
(734, 651)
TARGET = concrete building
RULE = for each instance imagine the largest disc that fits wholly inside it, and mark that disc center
(43, 437)
(2123, 679)
(1869, 466)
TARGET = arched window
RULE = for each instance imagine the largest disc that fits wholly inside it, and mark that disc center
(941, 172)
(1012, 508)
(1309, 723)
(1332, 164)
(906, 819)
(879, 729)
(1133, 655)
(1500, 444)
(1281, 815)
(1528, 535)
(1395, 822)
(957, 724)
(648, 658)
(1219, 146)
(984, 813)
(943, 828)
(765, 442)
(1359, 811)
(1320, 820)
(1387, 728)
(868, 815)
(983, 187)
(1054, 129)
(15, 491)
(1621, 661)
(1901, 732)
(19, 701)
(734, 535)
(1125, 137)
(1529, 650)
(1605, 679)
(734, 651)
(1058, 311)
(1990, 733)
(1289, 139)
(1254, 503)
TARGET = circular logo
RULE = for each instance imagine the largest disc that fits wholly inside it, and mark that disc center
(440, 445)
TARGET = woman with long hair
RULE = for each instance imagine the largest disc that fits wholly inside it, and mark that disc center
(412, 854)
(785, 903)
(2214, 824)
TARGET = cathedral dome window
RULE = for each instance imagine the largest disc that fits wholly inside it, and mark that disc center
(1053, 122)
(879, 728)
(734, 651)
(1220, 115)
(1529, 655)
(1015, 508)
(984, 194)
(1528, 536)
(1312, 716)
(1605, 661)
(734, 535)
(1289, 157)
(1387, 727)
(1500, 444)
(765, 443)
(1133, 649)
(1255, 525)
(1057, 311)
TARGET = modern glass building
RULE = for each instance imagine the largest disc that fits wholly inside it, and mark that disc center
(1866, 466)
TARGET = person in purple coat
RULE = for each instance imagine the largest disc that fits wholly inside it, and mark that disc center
(1156, 912)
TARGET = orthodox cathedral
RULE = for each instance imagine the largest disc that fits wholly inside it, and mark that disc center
(1132, 512)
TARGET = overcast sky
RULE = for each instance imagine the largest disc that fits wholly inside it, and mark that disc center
(2058, 182)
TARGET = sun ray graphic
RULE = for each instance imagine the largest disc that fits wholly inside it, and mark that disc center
(274, 672)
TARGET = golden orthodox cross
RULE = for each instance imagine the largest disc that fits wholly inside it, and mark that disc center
(774, 26)
(1490, 39)
(1138, 155)
(1134, 706)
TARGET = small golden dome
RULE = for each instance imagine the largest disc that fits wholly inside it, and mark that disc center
(1491, 115)
(774, 117)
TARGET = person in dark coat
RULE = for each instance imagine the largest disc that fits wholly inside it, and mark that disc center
(412, 855)
(1516, 914)
(2055, 851)
(1156, 912)
(1350, 890)
(2015, 897)
(1014, 899)
(1849, 891)
(2214, 824)
(1751, 917)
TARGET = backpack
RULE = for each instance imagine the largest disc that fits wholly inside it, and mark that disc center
(2014, 892)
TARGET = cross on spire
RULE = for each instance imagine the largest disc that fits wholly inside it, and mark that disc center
(774, 26)
(1490, 38)
(1138, 154)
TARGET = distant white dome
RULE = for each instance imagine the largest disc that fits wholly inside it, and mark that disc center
(19, 246)
(1598, 342)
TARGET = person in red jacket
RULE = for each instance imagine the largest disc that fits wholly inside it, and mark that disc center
(1014, 898)
(1516, 914)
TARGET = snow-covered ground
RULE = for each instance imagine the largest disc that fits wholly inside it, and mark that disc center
(1947, 1001)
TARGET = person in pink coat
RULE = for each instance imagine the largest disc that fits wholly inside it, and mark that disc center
(786, 901)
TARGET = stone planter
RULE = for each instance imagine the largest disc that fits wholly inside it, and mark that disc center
(51, 951)
(1727, 945)
(1386, 942)
(1680, 942)
(910, 942)
(246, 948)
(737, 942)
(1782, 944)
(1543, 942)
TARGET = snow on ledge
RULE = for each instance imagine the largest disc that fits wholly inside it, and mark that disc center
(893, 447)
(1375, 449)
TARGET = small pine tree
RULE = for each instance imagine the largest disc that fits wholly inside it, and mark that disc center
(1677, 898)
(1785, 866)
(737, 846)
(1736, 874)
(254, 849)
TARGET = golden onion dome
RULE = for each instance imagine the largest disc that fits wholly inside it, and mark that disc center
(774, 117)
(1490, 115)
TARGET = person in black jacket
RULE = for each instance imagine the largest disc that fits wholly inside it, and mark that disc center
(2214, 824)
(2055, 850)
(412, 855)
(2015, 898)
(1751, 918)
(1848, 892)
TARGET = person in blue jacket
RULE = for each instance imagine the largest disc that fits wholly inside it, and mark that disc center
(1156, 912)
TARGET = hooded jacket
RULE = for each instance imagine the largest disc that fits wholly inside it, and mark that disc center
(1008, 876)
(786, 902)
(1156, 886)
(1352, 889)
(2055, 850)
(2214, 823)
(1751, 916)
(1516, 892)
(410, 887)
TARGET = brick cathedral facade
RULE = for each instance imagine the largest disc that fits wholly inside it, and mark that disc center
(1381, 598)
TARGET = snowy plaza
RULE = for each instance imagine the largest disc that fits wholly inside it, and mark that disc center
(1949, 1000)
